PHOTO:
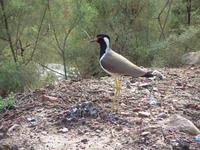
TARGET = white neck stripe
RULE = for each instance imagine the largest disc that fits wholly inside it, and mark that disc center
(107, 44)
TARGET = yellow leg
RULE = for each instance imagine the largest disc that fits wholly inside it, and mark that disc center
(115, 105)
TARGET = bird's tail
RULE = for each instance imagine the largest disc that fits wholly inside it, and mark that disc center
(148, 74)
(154, 73)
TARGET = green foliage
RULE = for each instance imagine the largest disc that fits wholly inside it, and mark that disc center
(7, 103)
(169, 52)
(146, 32)
(16, 77)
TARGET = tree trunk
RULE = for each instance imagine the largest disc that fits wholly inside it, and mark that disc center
(64, 64)
(189, 6)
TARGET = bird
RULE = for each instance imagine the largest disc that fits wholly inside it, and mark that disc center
(117, 65)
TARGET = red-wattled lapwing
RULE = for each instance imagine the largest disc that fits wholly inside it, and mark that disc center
(116, 65)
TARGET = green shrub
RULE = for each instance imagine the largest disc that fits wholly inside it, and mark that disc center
(16, 77)
(169, 52)
(7, 102)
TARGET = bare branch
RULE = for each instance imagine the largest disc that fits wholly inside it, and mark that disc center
(164, 25)
(7, 30)
(54, 30)
(38, 35)
(50, 69)
(159, 20)
(4, 39)
(67, 35)
(87, 34)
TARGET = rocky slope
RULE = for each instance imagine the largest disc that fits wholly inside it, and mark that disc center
(153, 114)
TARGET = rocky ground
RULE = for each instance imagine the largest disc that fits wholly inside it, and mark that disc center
(72, 115)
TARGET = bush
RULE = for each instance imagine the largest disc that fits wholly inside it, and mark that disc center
(15, 77)
(7, 103)
(169, 52)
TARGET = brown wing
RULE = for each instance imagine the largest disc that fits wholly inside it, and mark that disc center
(118, 64)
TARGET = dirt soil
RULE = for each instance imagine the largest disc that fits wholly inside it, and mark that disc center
(36, 122)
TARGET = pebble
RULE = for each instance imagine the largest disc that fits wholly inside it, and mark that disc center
(84, 141)
(63, 130)
(143, 114)
(153, 101)
(145, 133)
(44, 132)
(180, 144)
(31, 119)
(162, 115)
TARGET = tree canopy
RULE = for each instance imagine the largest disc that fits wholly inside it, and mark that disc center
(149, 33)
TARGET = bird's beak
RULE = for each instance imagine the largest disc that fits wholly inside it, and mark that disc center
(93, 40)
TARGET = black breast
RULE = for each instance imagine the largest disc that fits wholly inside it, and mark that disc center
(103, 47)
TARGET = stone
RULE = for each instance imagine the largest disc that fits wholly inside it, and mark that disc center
(162, 115)
(180, 144)
(177, 122)
(143, 114)
(145, 133)
(49, 98)
(158, 75)
(191, 58)
(84, 141)
(63, 130)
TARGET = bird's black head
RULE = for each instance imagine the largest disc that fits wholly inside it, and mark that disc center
(100, 37)
(104, 41)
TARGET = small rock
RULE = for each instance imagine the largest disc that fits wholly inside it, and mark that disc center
(162, 115)
(63, 130)
(98, 130)
(44, 132)
(153, 101)
(158, 75)
(84, 141)
(174, 143)
(180, 144)
(143, 114)
(145, 133)
(177, 122)
(31, 119)
(49, 98)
